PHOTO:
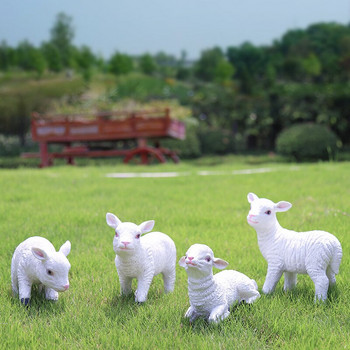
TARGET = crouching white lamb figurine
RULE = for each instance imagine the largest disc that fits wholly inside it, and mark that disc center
(142, 257)
(35, 261)
(317, 253)
(212, 295)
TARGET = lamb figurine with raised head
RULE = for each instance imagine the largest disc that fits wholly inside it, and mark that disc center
(316, 253)
(211, 296)
(142, 257)
(35, 261)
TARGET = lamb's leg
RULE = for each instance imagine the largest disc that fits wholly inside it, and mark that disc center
(51, 294)
(25, 288)
(219, 313)
(321, 282)
(125, 285)
(14, 282)
(169, 280)
(272, 277)
(290, 280)
(143, 285)
(191, 314)
(331, 275)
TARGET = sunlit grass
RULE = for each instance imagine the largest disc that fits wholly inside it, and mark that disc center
(63, 203)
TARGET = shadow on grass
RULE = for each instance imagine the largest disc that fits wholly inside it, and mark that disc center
(38, 305)
(125, 307)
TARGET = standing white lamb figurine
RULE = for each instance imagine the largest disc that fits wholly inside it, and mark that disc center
(35, 261)
(317, 253)
(211, 296)
(142, 257)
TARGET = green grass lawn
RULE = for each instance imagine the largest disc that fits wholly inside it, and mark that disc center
(64, 202)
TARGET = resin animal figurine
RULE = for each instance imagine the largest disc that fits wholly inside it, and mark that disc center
(316, 253)
(142, 257)
(35, 261)
(211, 296)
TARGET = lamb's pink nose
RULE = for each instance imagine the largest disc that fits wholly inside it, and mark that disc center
(126, 243)
(190, 258)
(251, 216)
(66, 286)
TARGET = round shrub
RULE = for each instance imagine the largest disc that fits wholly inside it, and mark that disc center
(307, 142)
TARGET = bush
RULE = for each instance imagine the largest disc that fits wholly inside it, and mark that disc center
(216, 141)
(307, 142)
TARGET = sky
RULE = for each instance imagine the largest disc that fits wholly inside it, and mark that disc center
(135, 27)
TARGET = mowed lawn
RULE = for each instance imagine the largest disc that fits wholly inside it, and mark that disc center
(64, 202)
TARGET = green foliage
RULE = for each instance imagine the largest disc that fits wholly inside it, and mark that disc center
(212, 66)
(120, 64)
(307, 142)
(145, 88)
(147, 64)
(215, 141)
(52, 56)
(30, 58)
(62, 34)
(71, 202)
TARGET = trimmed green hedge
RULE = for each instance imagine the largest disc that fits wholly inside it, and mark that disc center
(307, 141)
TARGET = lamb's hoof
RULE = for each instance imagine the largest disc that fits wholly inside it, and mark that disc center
(140, 303)
(25, 301)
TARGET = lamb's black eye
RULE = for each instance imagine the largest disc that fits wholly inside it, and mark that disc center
(208, 258)
(268, 212)
(116, 234)
(49, 272)
(138, 236)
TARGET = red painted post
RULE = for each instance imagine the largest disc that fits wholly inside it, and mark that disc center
(44, 154)
(142, 144)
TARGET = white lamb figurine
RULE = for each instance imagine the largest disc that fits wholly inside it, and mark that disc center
(35, 261)
(142, 257)
(212, 295)
(317, 253)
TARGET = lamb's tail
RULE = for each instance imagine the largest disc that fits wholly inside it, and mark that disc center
(336, 257)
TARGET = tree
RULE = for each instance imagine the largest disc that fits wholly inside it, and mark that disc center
(84, 60)
(205, 67)
(52, 57)
(224, 71)
(62, 34)
(6, 56)
(147, 64)
(120, 64)
(30, 58)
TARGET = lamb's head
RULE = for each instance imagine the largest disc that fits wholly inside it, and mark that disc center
(199, 261)
(127, 235)
(262, 213)
(53, 267)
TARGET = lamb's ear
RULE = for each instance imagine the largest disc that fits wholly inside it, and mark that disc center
(252, 197)
(65, 248)
(219, 263)
(39, 253)
(182, 262)
(112, 220)
(146, 226)
(283, 206)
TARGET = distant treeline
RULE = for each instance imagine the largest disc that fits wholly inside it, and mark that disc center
(253, 92)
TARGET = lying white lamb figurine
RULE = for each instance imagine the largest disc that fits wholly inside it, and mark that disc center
(35, 261)
(212, 295)
(317, 253)
(142, 257)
